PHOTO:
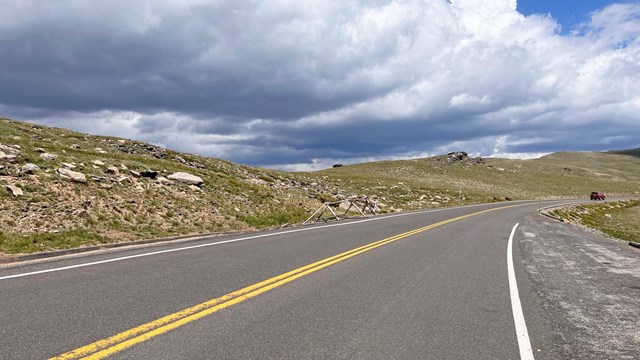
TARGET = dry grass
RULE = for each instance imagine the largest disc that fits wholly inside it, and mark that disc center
(617, 219)
(56, 213)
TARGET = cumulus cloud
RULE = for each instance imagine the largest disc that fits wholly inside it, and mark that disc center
(303, 84)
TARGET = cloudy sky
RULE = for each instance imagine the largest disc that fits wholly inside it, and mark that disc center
(304, 84)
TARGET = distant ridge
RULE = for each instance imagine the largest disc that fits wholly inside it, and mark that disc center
(632, 152)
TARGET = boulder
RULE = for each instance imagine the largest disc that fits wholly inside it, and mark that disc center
(14, 190)
(72, 175)
(149, 174)
(48, 156)
(186, 178)
(8, 153)
(30, 168)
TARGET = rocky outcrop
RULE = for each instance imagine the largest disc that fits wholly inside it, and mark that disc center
(186, 178)
(461, 156)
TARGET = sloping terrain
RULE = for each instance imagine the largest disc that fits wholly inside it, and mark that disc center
(123, 189)
(632, 152)
(418, 183)
(120, 199)
(618, 219)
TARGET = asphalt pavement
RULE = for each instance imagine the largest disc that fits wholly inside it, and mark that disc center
(423, 285)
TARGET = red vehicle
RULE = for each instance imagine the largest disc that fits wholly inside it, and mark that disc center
(597, 196)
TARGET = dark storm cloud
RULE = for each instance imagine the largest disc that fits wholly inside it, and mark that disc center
(294, 84)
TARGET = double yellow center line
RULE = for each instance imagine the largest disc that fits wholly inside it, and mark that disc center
(109, 346)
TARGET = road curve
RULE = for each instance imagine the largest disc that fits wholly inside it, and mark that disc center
(430, 284)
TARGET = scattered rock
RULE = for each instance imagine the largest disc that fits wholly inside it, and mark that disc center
(134, 173)
(98, 178)
(72, 175)
(30, 168)
(8, 153)
(125, 179)
(113, 170)
(75, 146)
(40, 150)
(163, 180)
(97, 162)
(82, 213)
(14, 190)
(194, 164)
(159, 153)
(193, 187)
(123, 167)
(337, 165)
(149, 174)
(186, 178)
(68, 166)
(48, 156)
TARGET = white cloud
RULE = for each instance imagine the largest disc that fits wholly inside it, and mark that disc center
(304, 84)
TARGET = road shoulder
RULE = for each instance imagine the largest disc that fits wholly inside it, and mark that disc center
(588, 287)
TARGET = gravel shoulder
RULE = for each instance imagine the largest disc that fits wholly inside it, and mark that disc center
(588, 286)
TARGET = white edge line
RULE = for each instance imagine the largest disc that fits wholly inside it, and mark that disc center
(228, 241)
(524, 343)
(213, 244)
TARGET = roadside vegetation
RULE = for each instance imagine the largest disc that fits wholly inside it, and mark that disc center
(618, 219)
(116, 203)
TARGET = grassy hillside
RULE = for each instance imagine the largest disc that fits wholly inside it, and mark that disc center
(632, 152)
(618, 219)
(413, 184)
(116, 205)
(120, 202)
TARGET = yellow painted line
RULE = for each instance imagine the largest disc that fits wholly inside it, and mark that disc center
(106, 347)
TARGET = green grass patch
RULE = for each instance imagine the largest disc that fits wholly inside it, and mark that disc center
(16, 243)
(617, 219)
(272, 219)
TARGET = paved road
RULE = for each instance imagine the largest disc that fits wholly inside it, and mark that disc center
(439, 292)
